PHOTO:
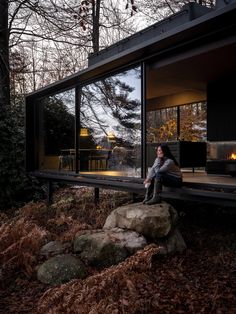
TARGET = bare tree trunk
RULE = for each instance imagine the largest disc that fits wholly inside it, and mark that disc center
(33, 67)
(96, 18)
(4, 58)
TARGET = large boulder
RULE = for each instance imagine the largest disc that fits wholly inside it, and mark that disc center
(155, 221)
(106, 248)
(60, 269)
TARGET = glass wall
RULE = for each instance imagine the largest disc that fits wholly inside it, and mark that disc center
(56, 132)
(175, 106)
(185, 123)
(162, 125)
(193, 122)
(180, 123)
(110, 125)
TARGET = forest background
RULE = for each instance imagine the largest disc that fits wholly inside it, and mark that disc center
(44, 41)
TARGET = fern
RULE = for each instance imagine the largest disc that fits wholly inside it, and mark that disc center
(20, 242)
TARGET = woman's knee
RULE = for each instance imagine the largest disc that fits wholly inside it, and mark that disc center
(159, 176)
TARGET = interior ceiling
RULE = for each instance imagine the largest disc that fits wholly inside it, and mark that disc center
(190, 74)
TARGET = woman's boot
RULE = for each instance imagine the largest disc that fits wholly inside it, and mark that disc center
(156, 199)
(148, 194)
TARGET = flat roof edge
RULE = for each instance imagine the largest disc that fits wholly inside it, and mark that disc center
(188, 12)
(73, 80)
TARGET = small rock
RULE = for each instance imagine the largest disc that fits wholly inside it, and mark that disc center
(60, 269)
(173, 243)
(53, 248)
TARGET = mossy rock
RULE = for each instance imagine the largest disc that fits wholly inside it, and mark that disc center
(60, 269)
(106, 248)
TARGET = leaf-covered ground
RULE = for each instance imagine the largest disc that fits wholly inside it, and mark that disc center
(202, 280)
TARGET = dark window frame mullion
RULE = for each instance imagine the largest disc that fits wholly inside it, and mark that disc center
(77, 125)
(178, 123)
(143, 120)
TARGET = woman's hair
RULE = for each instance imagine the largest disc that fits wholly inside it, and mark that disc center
(167, 153)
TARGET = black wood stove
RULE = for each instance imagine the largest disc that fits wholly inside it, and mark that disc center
(221, 158)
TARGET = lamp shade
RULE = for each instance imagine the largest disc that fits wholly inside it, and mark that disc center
(111, 137)
(84, 132)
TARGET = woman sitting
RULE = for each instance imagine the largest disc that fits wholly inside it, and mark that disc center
(165, 171)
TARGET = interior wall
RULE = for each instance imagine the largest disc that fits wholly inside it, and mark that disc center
(186, 97)
(221, 110)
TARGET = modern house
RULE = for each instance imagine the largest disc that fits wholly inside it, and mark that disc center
(171, 82)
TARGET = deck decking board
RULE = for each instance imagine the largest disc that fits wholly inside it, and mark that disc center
(194, 189)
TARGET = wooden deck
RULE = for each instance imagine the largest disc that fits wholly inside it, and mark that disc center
(197, 186)
(203, 177)
(188, 176)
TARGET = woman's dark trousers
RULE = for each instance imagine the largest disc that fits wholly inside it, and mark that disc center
(149, 192)
(160, 180)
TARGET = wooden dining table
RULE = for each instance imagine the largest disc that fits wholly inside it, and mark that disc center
(89, 159)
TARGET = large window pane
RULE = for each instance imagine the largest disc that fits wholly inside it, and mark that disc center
(193, 122)
(176, 107)
(162, 125)
(110, 120)
(56, 131)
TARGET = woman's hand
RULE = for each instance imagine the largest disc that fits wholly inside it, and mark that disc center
(146, 181)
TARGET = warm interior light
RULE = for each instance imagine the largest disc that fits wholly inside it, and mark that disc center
(84, 132)
(111, 137)
(233, 156)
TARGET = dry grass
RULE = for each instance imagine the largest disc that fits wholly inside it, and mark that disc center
(121, 287)
(72, 212)
(200, 281)
(20, 242)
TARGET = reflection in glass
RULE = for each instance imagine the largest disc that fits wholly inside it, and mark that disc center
(56, 131)
(111, 112)
(185, 123)
(162, 125)
(193, 122)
